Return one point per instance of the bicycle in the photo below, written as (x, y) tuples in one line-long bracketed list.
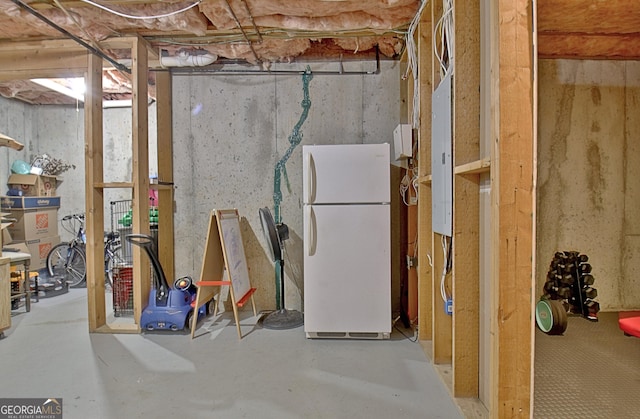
[(68, 259), (113, 256)]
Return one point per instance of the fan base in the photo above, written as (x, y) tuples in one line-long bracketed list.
[(283, 319)]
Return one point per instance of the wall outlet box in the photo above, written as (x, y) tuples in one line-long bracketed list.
[(412, 262), (403, 141), (448, 307)]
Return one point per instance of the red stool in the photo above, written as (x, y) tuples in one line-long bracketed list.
[(629, 322)]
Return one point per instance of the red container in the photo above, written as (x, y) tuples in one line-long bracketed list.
[(123, 291)]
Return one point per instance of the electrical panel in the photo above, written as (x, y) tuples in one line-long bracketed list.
[(441, 164)]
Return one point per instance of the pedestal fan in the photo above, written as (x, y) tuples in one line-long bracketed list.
[(275, 234)]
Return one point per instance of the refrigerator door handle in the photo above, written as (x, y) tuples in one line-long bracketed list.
[(311, 243), (311, 179)]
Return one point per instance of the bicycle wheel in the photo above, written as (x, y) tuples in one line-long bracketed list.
[(67, 262), (114, 258)]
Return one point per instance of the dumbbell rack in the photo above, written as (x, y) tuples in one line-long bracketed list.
[(570, 280)]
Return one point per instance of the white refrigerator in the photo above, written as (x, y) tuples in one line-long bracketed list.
[(347, 240)]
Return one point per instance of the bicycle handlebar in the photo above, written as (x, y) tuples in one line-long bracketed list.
[(73, 216)]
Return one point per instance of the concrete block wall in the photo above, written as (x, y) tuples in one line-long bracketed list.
[(59, 132), (228, 133), (588, 192), (16, 121)]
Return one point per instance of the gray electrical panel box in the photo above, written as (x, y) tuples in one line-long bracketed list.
[(441, 166)]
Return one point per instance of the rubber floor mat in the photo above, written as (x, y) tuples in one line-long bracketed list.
[(591, 371)]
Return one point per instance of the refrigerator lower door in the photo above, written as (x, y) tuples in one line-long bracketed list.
[(347, 271)]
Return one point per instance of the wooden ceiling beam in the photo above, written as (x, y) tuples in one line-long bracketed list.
[(589, 29), (27, 64), (57, 57), (588, 46), (50, 44), (589, 16)]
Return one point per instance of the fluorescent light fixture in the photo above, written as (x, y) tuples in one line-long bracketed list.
[(57, 87), (77, 92)]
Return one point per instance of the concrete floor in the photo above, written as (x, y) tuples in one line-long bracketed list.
[(268, 374)]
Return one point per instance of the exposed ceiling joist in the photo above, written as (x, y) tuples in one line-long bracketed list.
[(253, 31), (589, 29), (269, 31)]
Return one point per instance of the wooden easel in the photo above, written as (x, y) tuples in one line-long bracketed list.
[(224, 257)]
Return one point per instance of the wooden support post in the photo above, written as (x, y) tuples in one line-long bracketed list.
[(140, 176), (165, 172), (412, 252), (513, 201), (466, 200), (94, 212), (425, 271), (412, 218), (442, 322)]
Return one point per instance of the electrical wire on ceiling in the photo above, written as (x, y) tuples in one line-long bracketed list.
[(244, 34), (253, 22), (273, 33), (90, 48), (413, 63), (128, 16), (75, 22)]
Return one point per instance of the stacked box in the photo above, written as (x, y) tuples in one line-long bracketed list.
[(35, 225), (39, 249), (33, 185), (29, 202)]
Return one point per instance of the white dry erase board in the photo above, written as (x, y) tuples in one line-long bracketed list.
[(233, 250), (224, 256)]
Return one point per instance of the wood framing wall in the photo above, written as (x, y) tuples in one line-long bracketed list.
[(65, 58), (94, 168), (453, 342), (94, 171), (513, 205)]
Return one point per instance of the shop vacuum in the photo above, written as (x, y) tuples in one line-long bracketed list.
[(169, 308)]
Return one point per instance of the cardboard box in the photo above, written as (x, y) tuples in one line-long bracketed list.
[(32, 224), (39, 250), (4, 225), (22, 202), (33, 185)]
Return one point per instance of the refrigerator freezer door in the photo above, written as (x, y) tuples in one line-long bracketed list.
[(352, 173), (347, 269)]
